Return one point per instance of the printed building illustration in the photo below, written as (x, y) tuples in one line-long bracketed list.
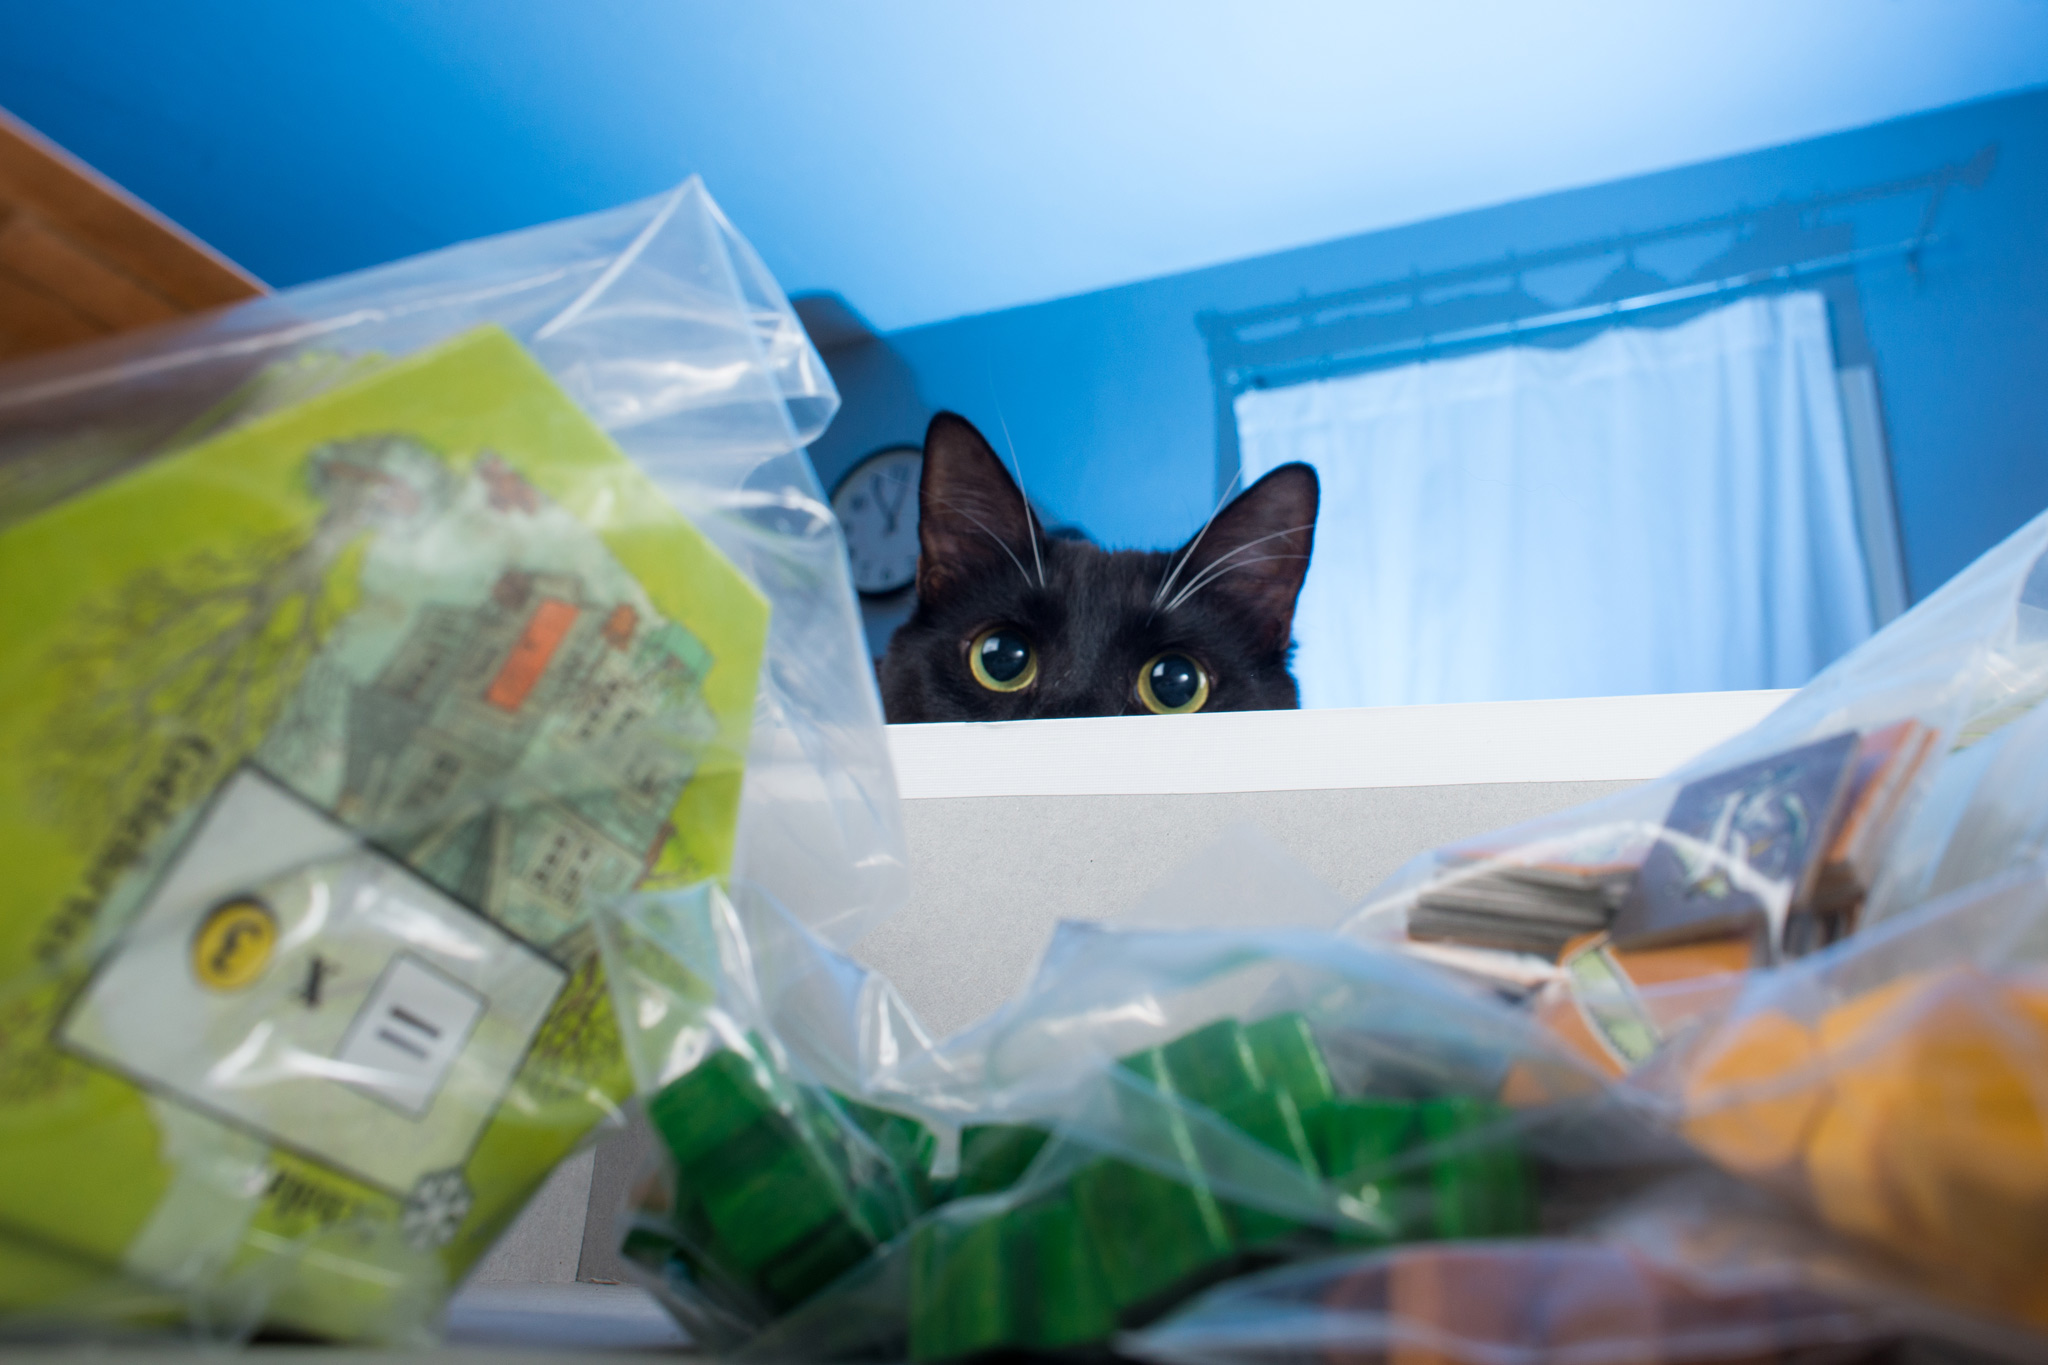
[(525, 753)]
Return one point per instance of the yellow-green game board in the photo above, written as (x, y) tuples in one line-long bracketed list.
[(318, 744)]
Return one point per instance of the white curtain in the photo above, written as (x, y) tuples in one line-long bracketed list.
[(1657, 510)]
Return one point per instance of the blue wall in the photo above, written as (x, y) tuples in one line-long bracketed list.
[(929, 158), (1109, 400)]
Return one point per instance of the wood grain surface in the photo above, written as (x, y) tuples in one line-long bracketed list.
[(81, 258)]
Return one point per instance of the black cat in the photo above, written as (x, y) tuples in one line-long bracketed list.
[(1012, 623)]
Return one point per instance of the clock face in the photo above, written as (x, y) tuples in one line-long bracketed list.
[(876, 504)]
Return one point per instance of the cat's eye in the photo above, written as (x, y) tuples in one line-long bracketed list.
[(1002, 660), (1173, 684)]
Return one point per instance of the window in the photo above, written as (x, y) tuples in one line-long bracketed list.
[(1665, 510)]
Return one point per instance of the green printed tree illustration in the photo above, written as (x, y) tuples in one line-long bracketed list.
[(211, 646)]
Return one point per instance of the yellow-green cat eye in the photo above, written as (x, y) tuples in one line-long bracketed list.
[(1173, 685), (1002, 660)]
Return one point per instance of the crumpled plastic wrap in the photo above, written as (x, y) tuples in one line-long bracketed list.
[(1155, 1112), (1896, 1088), (1747, 1064), (1545, 1301), (1908, 768), (363, 640)]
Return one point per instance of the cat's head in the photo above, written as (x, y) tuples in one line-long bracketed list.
[(1012, 623)]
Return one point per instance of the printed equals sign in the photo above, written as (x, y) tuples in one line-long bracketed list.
[(407, 1018)]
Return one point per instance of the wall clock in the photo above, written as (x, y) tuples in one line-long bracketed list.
[(876, 503)]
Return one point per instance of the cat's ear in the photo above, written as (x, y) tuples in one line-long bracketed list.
[(1255, 553), (971, 520)]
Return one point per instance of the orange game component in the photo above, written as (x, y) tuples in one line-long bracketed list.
[(529, 658), (1752, 1104), (1918, 1115), (1958, 1105)]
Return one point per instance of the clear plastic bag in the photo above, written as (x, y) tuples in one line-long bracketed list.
[(1160, 1111), (376, 632), (766, 1188), (1906, 768), (1896, 1088), (1157, 1110), (1699, 1267), (1539, 1302)]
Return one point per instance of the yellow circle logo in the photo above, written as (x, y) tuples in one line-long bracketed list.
[(234, 944)]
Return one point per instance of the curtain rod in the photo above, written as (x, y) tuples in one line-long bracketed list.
[(1241, 378), (1972, 173)]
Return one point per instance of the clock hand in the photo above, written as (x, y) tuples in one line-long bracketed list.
[(891, 511)]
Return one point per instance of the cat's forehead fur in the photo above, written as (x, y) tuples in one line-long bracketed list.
[(1096, 612), (1092, 626)]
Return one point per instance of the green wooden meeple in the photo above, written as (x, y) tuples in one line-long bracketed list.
[(1062, 1266), (1022, 1277), (1479, 1183), (778, 1195), (905, 1141), (1271, 1119), (1258, 1078), (1153, 1233), (961, 1287), (773, 1199), (1289, 1060), (1213, 1066), (994, 1156)]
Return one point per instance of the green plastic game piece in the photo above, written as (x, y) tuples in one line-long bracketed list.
[(907, 1141), (1287, 1056), (1150, 1064), (1213, 1066), (1064, 1295), (822, 1255), (1354, 1136), (1152, 1233), (1481, 1187), (815, 1262), (765, 1202), (1022, 1278), (959, 1292), (647, 1242), (696, 1252), (994, 1156), (903, 1140), (770, 1204), (1354, 1142), (709, 1105), (1270, 1119)]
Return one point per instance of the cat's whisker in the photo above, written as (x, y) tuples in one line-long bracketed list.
[(1222, 564), (1030, 515), (1212, 573), (982, 526), (1166, 584), (1017, 468), (1216, 574)]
